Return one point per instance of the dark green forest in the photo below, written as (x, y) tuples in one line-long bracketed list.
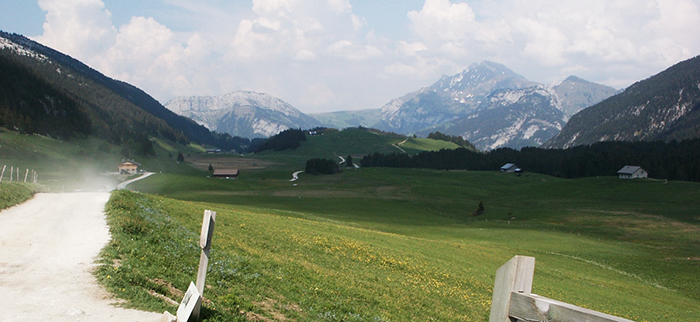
[(321, 166), (663, 160), (30, 105), (287, 139)]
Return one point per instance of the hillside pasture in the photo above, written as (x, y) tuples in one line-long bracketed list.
[(618, 246), (291, 265), (82, 163)]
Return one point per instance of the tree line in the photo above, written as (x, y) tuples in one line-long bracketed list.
[(287, 139), (663, 160), (456, 139)]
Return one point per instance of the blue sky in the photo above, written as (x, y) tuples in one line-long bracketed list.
[(329, 55)]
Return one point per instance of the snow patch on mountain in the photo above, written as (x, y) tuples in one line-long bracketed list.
[(268, 128), (21, 50)]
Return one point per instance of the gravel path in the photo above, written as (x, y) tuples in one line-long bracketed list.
[(48, 246), (126, 183)]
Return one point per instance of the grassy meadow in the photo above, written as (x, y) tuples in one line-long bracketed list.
[(381, 244), (628, 248), (399, 244)]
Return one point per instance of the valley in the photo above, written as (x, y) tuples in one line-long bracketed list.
[(618, 246), (396, 244)]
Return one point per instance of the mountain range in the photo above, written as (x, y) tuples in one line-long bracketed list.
[(45, 91), (487, 104), (244, 114), (508, 117), (477, 104)]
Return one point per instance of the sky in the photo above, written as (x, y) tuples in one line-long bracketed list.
[(331, 55)]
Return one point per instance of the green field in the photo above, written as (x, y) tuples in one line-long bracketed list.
[(380, 244), (624, 247)]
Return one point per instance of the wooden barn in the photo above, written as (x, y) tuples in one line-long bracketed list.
[(225, 173)]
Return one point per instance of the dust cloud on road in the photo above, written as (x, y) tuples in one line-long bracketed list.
[(48, 246)]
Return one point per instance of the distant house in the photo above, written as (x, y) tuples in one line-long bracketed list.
[(213, 151), (510, 168), (632, 172), (128, 167), (225, 173)]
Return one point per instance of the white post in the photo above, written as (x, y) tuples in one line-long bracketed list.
[(3, 172), (25, 175), (12, 172), (205, 243)]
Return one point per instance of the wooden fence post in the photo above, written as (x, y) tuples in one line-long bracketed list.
[(205, 243), (25, 176), (514, 276), (3, 172)]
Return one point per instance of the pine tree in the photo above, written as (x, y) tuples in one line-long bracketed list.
[(479, 210), (180, 157)]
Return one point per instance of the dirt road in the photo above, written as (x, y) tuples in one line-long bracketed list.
[(48, 246)]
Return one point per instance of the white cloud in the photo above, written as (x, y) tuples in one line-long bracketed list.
[(79, 27), (443, 20), (320, 54), (305, 55), (598, 37), (340, 6), (358, 22)]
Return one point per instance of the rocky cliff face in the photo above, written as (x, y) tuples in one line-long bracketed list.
[(510, 118)]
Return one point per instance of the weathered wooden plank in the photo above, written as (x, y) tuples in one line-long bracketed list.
[(208, 222), (532, 308), (190, 302), (514, 276)]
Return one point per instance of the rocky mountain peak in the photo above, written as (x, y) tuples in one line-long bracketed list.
[(242, 113)]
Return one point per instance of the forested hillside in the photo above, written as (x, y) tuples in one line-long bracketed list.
[(665, 107), (31, 105), (41, 97), (62, 88)]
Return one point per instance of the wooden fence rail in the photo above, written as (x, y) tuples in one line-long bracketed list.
[(513, 299)]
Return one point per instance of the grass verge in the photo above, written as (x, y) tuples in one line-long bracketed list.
[(270, 265), (13, 193)]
